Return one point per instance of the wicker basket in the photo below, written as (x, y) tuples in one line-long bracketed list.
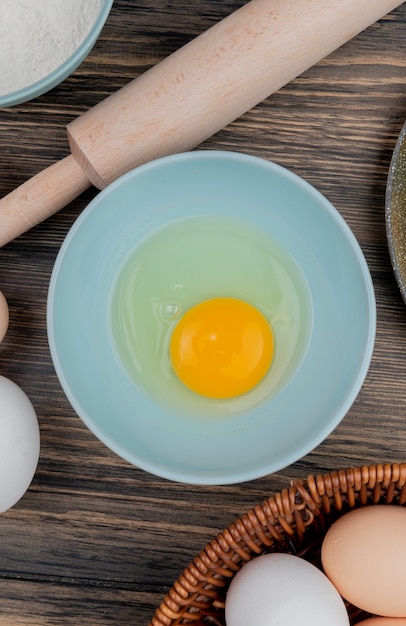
[(294, 521)]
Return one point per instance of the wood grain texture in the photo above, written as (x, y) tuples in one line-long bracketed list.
[(95, 539)]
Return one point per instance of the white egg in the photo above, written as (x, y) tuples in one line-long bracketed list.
[(19, 443), (282, 590), (4, 316)]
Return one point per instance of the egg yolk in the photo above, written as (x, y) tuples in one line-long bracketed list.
[(222, 348)]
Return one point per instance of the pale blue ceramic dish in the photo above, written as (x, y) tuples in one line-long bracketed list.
[(63, 71), (163, 428)]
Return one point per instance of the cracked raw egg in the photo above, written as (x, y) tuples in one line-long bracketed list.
[(209, 316)]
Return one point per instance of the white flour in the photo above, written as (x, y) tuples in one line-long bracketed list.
[(37, 36)]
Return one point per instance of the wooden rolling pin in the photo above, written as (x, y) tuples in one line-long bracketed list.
[(189, 96)]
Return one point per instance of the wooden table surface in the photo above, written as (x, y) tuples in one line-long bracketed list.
[(96, 540)]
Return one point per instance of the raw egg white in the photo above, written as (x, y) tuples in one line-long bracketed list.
[(283, 590), (166, 278), (364, 555), (4, 316), (19, 443)]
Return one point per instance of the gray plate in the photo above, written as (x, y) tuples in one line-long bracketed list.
[(395, 215)]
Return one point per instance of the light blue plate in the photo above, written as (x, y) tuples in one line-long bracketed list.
[(268, 432)]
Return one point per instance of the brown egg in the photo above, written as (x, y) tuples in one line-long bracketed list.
[(384, 621), (364, 555), (4, 316)]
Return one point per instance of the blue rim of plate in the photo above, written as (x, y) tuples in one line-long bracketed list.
[(294, 421)]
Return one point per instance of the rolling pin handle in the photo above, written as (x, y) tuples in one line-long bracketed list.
[(40, 197)]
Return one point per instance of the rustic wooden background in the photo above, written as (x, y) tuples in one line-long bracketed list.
[(95, 540)]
